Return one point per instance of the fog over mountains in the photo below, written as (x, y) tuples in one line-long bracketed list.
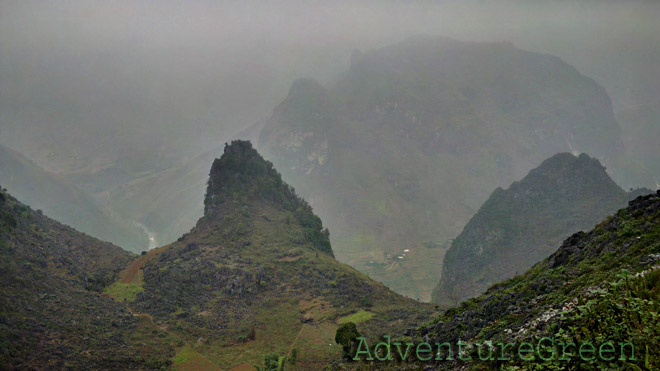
[(406, 145), (55, 196), (129, 102), (126, 87), (252, 185)]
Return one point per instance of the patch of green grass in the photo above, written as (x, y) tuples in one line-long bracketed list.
[(184, 355), (358, 317), (124, 291)]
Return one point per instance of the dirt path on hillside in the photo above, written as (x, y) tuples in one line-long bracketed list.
[(132, 273), (295, 341), (243, 367)]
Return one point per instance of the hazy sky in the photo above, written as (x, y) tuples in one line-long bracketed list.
[(100, 81)]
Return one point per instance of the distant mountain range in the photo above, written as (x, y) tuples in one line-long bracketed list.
[(520, 226), (396, 155), (166, 202), (401, 151), (399, 157)]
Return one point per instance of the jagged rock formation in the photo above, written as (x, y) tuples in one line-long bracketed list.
[(402, 150), (243, 175), (524, 224)]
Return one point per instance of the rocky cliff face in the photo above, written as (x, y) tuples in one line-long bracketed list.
[(402, 150), (520, 226)]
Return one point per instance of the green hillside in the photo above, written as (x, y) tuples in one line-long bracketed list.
[(599, 286), (52, 312)]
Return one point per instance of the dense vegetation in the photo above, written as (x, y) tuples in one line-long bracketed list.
[(524, 224), (599, 286), (241, 176), (346, 336), (52, 314)]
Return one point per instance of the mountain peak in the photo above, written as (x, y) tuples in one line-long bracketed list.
[(307, 105), (242, 172), (304, 86), (564, 160), (518, 227), (241, 180), (588, 287), (573, 176)]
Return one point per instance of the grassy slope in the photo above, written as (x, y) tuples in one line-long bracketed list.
[(601, 285), (296, 307), (52, 313)]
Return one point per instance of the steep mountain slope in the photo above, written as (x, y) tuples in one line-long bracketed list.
[(63, 201), (520, 226), (257, 276), (599, 286), (401, 151), (52, 314)]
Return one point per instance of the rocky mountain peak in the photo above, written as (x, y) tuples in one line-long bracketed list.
[(243, 184), (520, 226), (569, 175), (242, 174), (304, 86), (567, 162)]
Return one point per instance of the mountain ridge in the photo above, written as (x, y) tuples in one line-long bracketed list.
[(519, 226), (404, 147)]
